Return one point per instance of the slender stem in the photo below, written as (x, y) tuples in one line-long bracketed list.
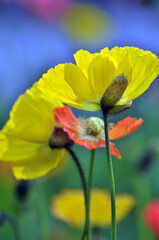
[(84, 185), (111, 178), (89, 236), (7, 218)]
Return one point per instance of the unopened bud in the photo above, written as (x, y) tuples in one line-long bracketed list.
[(113, 94), (59, 139)]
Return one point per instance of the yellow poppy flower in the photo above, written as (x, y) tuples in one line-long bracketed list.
[(24, 140), (69, 207), (111, 78)]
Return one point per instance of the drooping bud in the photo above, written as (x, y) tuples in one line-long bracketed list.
[(59, 139), (113, 94)]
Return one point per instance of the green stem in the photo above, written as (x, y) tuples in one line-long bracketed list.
[(111, 178), (89, 235), (7, 218), (84, 185)]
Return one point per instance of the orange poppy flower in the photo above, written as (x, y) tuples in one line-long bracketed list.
[(89, 132)]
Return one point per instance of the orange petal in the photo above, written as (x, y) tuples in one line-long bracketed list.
[(89, 144), (124, 127), (65, 117), (114, 151)]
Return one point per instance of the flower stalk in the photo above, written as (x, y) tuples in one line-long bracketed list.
[(111, 179), (89, 234), (84, 185)]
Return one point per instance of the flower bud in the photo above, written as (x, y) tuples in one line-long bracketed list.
[(59, 139), (113, 94)]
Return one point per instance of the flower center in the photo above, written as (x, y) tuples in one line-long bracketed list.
[(91, 128), (94, 126)]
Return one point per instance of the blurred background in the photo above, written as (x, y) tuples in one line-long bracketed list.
[(35, 35)]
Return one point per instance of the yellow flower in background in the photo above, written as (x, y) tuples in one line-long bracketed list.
[(109, 78), (24, 140), (69, 207), (86, 23)]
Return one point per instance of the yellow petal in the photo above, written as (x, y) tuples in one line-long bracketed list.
[(78, 82), (124, 204), (139, 66), (83, 58), (32, 116), (101, 72), (53, 83), (101, 212), (29, 159), (91, 105), (69, 207), (44, 161), (68, 84), (105, 52), (16, 149)]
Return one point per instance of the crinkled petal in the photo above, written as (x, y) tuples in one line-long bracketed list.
[(83, 85), (67, 83), (53, 82), (105, 52), (31, 117), (139, 66), (124, 127), (83, 58)]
